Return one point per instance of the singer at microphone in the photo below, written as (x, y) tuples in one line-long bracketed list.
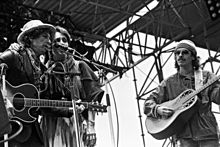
[(70, 79), (61, 46), (58, 45), (66, 48)]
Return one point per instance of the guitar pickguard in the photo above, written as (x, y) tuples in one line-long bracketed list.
[(17, 95)]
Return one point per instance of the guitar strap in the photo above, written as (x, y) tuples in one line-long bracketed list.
[(198, 78)]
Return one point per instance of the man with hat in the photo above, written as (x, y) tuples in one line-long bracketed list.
[(201, 129), (24, 66)]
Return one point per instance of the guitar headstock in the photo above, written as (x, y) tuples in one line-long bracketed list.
[(94, 106)]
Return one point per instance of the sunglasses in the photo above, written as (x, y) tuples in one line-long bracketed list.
[(183, 52), (64, 40)]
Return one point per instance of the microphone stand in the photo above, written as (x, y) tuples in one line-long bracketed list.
[(62, 48), (107, 94), (76, 123), (4, 93), (75, 114), (82, 57)]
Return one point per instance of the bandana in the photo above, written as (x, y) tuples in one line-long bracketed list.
[(189, 45)]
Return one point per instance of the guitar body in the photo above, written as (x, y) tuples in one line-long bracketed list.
[(184, 107), (17, 96), (25, 99)]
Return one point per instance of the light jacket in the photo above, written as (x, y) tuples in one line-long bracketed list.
[(202, 125)]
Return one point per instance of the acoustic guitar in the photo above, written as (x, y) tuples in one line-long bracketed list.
[(25, 98), (184, 106)]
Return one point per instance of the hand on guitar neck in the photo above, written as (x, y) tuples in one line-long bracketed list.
[(163, 111)]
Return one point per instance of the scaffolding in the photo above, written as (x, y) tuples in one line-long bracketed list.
[(142, 37)]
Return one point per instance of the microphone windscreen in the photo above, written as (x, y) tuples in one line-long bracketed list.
[(57, 45)]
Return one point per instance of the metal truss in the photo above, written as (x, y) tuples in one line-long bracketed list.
[(132, 45)]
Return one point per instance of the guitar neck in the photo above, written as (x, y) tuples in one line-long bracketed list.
[(29, 102), (48, 103), (210, 82)]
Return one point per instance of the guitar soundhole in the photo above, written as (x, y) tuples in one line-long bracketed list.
[(18, 101), (189, 103)]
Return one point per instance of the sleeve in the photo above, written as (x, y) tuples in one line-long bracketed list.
[(91, 84), (156, 97), (47, 94), (57, 112), (6, 57), (214, 89)]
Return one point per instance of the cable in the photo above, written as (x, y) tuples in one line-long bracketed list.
[(16, 133), (116, 111)]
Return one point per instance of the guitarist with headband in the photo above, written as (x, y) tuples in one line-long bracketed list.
[(181, 106)]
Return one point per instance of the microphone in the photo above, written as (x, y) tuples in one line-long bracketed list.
[(66, 48), (3, 68), (58, 45), (4, 65)]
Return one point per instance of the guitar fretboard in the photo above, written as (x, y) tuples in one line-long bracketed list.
[(210, 82), (46, 103), (30, 102)]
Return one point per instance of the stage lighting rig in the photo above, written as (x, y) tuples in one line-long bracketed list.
[(213, 8)]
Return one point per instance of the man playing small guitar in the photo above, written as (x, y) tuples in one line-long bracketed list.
[(181, 105), (24, 67)]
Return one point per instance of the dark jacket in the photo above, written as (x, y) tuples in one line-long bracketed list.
[(78, 81), (203, 124), (20, 71), (84, 85)]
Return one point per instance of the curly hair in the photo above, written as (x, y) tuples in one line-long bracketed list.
[(33, 35)]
